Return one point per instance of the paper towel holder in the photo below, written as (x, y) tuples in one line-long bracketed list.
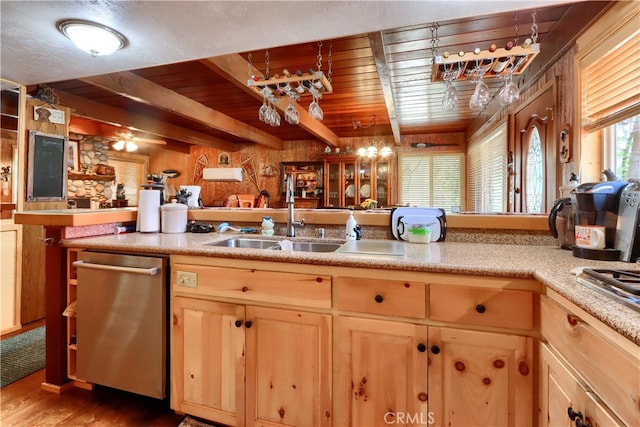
[(222, 174)]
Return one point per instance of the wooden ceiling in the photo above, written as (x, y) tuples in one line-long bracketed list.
[(385, 74)]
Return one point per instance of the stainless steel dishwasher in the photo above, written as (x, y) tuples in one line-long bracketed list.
[(122, 323)]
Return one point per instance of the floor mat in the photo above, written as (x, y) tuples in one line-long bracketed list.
[(22, 355)]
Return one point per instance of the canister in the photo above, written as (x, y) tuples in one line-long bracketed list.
[(174, 217)]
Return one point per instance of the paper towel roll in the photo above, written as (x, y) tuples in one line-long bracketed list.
[(149, 211)]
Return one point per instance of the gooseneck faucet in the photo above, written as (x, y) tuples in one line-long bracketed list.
[(291, 222)]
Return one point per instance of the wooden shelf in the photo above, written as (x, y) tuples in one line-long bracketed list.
[(85, 176)]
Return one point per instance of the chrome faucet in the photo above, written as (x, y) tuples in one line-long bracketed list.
[(291, 222)]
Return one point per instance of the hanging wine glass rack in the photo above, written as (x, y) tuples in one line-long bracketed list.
[(312, 83), (487, 63)]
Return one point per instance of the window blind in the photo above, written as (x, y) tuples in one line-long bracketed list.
[(611, 78), (132, 173), (486, 173), (434, 180)]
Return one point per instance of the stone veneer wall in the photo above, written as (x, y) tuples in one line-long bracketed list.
[(92, 151)]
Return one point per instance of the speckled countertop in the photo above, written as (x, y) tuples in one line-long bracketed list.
[(550, 265)]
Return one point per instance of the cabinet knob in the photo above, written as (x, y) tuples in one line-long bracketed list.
[(379, 298), (238, 323), (435, 349), (422, 348), (480, 308), (573, 414), (248, 324)]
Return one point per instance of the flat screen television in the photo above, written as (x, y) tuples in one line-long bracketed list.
[(47, 167)]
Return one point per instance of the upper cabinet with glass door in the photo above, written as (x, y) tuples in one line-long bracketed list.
[(351, 180), (11, 97)]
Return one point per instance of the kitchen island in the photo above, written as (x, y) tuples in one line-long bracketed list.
[(429, 294)]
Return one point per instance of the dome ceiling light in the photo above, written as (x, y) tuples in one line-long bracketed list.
[(93, 38)]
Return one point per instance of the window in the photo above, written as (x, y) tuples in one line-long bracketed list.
[(622, 148), (131, 170), (486, 173), (608, 60), (434, 180)]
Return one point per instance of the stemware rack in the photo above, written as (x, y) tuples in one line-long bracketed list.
[(281, 85), (470, 64)]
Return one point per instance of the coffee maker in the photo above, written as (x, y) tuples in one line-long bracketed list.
[(614, 206), (628, 231)]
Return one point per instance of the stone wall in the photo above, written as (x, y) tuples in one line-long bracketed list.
[(92, 151)]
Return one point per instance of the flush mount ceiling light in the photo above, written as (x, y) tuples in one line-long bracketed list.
[(93, 38)]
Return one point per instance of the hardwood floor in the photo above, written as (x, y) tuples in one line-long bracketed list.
[(24, 404)]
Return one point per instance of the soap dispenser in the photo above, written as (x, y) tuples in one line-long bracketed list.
[(352, 228)]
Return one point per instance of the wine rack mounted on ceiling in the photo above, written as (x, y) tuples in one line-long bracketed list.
[(467, 65), (298, 84)]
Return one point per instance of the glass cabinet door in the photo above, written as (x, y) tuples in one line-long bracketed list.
[(332, 192), (364, 173), (382, 183), (350, 182)]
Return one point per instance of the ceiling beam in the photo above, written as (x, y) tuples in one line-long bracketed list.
[(83, 107), (234, 68), (134, 87), (380, 58)]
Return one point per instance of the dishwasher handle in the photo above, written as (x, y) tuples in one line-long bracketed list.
[(147, 271)]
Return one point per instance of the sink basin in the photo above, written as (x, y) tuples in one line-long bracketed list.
[(315, 246), (245, 243), (240, 242)]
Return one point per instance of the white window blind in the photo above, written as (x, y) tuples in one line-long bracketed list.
[(434, 180), (486, 173), (132, 172), (610, 76)]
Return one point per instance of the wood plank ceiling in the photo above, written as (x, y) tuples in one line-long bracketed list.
[(385, 74)]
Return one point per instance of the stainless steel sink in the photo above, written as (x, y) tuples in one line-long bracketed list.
[(242, 242), (315, 246), (245, 243)]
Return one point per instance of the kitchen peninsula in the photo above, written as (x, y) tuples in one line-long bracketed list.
[(431, 295)]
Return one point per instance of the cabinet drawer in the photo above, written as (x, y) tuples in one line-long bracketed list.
[(609, 371), (481, 306), (385, 297), (305, 290)]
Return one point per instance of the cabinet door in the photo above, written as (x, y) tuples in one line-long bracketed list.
[(333, 194), (366, 182), (382, 373), (288, 368), (480, 378), (382, 183), (207, 370), (561, 394)]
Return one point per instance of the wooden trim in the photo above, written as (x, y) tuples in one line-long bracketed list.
[(129, 85), (379, 56), (55, 388), (83, 107)]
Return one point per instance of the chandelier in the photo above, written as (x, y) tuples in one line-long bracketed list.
[(375, 148), (292, 85), (125, 141)]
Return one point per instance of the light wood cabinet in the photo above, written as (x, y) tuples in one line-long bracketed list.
[(480, 378), (307, 182), (565, 400), (208, 359), (608, 371), (350, 180), (243, 364), (288, 373), (381, 373)]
